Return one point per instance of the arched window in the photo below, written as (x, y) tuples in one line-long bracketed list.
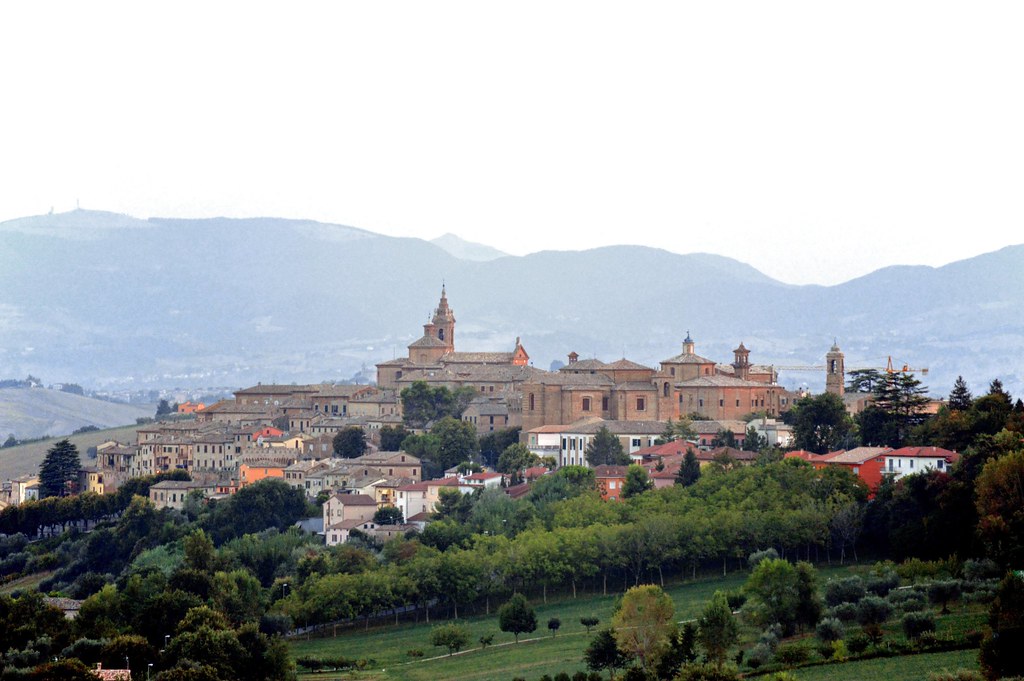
[(440, 334), (665, 390)]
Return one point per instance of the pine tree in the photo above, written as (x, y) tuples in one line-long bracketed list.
[(605, 448), (960, 399), (58, 474), (689, 470)]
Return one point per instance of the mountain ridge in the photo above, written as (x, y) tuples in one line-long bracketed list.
[(233, 301)]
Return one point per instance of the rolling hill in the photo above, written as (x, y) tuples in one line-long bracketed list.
[(105, 300)]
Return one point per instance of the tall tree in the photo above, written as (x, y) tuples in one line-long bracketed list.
[(689, 469), (820, 423), (58, 473), (605, 449), (603, 653), (863, 380), (350, 442), (391, 438), (514, 460), (1000, 502), (901, 398), (456, 442), (717, 630), (644, 624), (960, 398)]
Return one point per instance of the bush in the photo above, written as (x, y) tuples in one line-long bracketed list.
[(907, 600), (829, 629), (792, 654), (735, 599), (917, 623), (847, 590), (754, 559), (984, 569), (857, 643), (844, 612), (759, 656), (882, 584), (414, 653), (706, 672), (562, 676), (770, 637), (839, 651)]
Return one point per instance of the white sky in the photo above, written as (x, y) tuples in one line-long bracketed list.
[(817, 141)]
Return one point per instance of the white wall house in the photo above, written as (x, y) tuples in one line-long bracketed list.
[(910, 460)]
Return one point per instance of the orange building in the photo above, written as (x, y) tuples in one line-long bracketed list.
[(255, 471)]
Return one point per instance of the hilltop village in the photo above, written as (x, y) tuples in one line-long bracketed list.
[(290, 431)]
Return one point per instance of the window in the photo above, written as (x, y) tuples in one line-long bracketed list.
[(672, 371), (940, 463), (641, 404), (665, 390), (604, 404), (737, 403), (701, 401), (636, 442), (721, 403), (531, 401), (911, 463), (586, 404)]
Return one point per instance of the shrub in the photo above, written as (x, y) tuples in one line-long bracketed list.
[(844, 612), (589, 622), (754, 559), (917, 623), (857, 643), (881, 585), (562, 676), (735, 599), (706, 672), (486, 640), (974, 637), (414, 653), (759, 656), (978, 570), (829, 629), (907, 600), (792, 654), (579, 676), (847, 590), (839, 651)]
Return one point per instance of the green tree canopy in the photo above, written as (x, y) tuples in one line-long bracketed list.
[(516, 616), (391, 438), (717, 630), (644, 624), (605, 449), (689, 469), (820, 423), (350, 442), (514, 460), (960, 398), (58, 473), (637, 481)]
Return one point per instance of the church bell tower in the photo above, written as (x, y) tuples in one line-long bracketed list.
[(835, 371), (444, 322)]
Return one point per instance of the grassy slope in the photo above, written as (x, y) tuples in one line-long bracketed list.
[(536, 654), (29, 413), (25, 459), (906, 668)]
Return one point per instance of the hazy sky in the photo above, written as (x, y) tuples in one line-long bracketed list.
[(817, 141)]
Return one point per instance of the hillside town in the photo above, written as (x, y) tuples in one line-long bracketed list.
[(289, 431)]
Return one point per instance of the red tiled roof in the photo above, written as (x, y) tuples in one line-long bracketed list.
[(926, 453)]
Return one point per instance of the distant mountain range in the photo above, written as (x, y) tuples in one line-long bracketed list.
[(108, 300)]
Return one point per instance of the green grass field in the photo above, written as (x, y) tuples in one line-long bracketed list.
[(906, 668), (535, 655), (25, 459)]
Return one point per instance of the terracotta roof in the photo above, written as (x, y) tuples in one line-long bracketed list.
[(477, 357), (857, 455), (592, 425), (277, 388), (926, 453), (422, 516), (592, 364), (608, 471), (350, 524), (731, 452), (627, 365), (517, 491), (687, 359), (636, 385), (720, 382), (711, 426)]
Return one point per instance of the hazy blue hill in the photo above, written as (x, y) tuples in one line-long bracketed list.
[(466, 250), (96, 297)]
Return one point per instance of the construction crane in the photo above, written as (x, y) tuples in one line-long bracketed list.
[(889, 368)]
